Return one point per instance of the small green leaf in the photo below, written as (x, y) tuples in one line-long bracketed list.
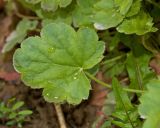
[(17, 105), (124, 5), (135, 8), (49, 5), (52, 5), (33, 1), (139, 24), (56, 61), (12, 115), (104, 4), (83, 13), (138, 70), (149, 107), (64, 3), (11, 123), (126, 115), (121, 97), (19, 34), (25, 112), (107, 19)]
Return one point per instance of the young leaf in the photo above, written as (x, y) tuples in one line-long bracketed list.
[(52, 5), (17, 105), (124, 108), (103, 4), (124, 5), (108, 19), (49, 5), (56, 61), (139, 24), (83, 12), (149, 107), (135, 8), (19, 34), (12, 115), (25, 112), (33, 1), (121, 97), (138, 70)]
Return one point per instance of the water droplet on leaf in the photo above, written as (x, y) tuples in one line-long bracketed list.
[(99, 26), (51, 50)]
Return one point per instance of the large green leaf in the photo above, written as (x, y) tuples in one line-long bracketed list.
[(56, 61), (149, 107), (139, 24)]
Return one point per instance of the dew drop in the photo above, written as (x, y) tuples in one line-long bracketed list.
[(81, 69), (143, 117), (51, 50), (99, 26), (74, 78)]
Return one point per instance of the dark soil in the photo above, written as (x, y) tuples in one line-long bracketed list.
[(44, 115)]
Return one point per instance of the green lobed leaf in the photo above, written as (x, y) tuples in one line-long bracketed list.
[(56, 61), (149, 107), (139, 24)]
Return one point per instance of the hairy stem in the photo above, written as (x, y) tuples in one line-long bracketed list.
[(109, 86)]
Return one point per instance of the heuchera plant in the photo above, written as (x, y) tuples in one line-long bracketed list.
[(60, 60), (57, 60)]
